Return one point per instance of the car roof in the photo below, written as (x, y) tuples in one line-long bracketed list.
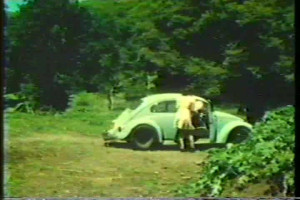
[(161, 96), (166, 96)]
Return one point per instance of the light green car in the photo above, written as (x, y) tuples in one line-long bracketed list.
[(152, 123)]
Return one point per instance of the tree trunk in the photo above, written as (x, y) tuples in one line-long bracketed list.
[(110, 98)]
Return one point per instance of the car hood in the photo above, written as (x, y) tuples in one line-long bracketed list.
[(227, 116)]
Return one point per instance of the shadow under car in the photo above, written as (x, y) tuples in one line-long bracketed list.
[(167, 146)]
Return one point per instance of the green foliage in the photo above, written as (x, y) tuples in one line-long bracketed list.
[(44, 42), (91, 109), (27, 100), (87, 102), (230, 35), (212, 48), (203, 75), (268, 156)]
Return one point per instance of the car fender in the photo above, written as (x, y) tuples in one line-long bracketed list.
[(225, 131), (144, 121)]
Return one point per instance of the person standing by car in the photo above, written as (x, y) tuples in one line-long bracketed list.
[(183, 121), (197, 115)]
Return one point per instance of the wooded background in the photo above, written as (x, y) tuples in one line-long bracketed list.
[(236, 51)]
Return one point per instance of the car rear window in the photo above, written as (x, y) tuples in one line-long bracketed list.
[(134, 104), (164, 107)]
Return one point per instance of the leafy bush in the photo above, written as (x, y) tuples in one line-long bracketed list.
[(26, 100), (87, 102), (268, 156), (92, 109)]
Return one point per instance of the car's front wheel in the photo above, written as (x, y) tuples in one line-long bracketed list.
[(239, 135), (144, 137)]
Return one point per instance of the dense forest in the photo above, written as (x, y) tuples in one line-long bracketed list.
[(237, 51)]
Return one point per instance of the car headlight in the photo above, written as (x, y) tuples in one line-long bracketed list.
[(117, 127)]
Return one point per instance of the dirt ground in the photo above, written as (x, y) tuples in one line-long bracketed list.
[(80, 166)]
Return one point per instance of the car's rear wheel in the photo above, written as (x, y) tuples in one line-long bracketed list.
[(239, 135), (144, 137)]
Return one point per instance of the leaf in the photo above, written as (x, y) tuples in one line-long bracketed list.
[(12, 97)]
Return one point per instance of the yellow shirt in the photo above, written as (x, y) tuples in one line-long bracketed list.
[(183, 119)]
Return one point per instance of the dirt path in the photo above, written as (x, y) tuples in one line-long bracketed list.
[(78, 166)]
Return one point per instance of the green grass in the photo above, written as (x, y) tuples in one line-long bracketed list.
[(93, 124), (88, 115), (76, 165)]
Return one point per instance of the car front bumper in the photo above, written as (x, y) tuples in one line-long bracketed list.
[(106, 136), (109, 136)]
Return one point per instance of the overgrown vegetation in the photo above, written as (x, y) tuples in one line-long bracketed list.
[(268, 157)]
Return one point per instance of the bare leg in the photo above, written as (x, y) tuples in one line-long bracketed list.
[(192, 142), (181, 143), (181, 139)]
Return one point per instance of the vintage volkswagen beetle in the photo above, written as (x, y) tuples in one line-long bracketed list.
[(152, 123)]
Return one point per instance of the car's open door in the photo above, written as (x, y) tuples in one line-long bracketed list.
[(211, 122)]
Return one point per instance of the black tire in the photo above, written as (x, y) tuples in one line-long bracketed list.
[(239, 135), (144, 137)]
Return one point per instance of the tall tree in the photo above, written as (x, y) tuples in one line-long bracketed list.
[(45, 40)]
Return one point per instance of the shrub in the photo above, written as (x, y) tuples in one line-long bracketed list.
[(87, 102), (91, 109), (268, 156), (26, 100)]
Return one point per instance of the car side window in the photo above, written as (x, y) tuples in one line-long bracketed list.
[(164, 107), (171, 106)]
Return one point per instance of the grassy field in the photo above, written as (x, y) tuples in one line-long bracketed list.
[(80, 166), (62, 155)]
